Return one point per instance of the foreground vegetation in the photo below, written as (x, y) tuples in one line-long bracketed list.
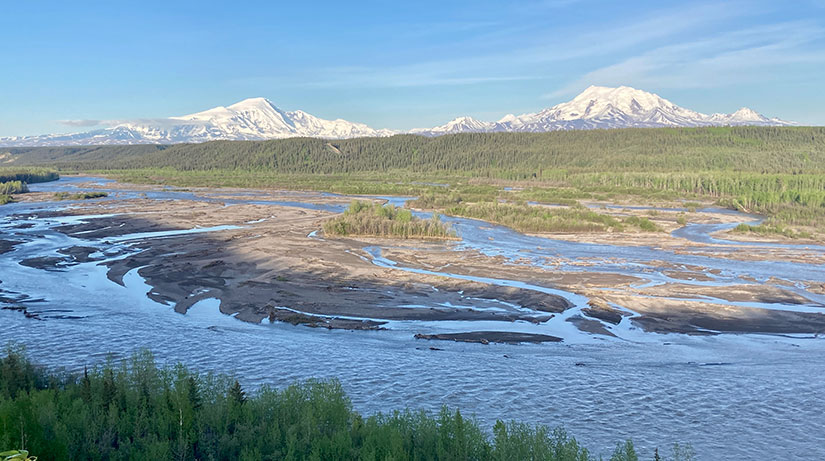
[(364, 219), (775, 171), (137, 410)]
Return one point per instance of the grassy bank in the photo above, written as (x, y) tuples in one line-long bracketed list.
[(770, 230), (363, 219), (137, 410), (527, 218)]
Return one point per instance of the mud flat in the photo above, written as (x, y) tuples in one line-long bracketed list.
[(261, 255), (266, 263)]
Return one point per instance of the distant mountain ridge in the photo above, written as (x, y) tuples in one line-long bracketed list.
[(250, 119), (604, 108), (259, 119)]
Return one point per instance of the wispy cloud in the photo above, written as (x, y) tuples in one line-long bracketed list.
[(83, 123), (530, 54), (657, 27), (168, 121), (737, 57)]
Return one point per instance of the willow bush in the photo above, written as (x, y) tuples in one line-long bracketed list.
[(374, 220)]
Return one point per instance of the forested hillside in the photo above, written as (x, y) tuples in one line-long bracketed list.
[(507, 155)]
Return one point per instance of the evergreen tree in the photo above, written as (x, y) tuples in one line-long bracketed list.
[(109, 389), (86, 386), (193, 392), (236, 393)]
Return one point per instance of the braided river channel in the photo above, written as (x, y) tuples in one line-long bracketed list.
[(731, 396)]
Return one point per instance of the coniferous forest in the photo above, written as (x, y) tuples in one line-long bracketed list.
[(777, 150)]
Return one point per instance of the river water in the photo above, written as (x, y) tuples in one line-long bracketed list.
[(730, 396)]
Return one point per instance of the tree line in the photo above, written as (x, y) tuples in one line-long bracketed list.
[(138, 410), (789, 150)]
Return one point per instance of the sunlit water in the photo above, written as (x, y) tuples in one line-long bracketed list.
[(731, 396)]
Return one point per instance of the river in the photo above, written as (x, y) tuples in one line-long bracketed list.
[(730, 396)]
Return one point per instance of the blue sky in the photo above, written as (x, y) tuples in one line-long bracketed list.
[(66, 65)]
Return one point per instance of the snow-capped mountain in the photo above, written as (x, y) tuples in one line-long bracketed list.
[(458, 125), (258, 118), (602, 107), (746, 116), (250, 119)]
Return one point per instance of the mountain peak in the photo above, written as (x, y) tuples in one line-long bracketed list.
[(254, 103), (597, 100), (464, 120), (601, 107), (747, 112), (464, 124), (597, 107)]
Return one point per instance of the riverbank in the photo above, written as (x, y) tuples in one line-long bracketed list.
[(259, 253)]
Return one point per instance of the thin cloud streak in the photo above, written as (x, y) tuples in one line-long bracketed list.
[(738, 57), (529, 62), (80, 123)]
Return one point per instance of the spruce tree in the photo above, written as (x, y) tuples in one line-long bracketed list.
[(236, 393), (194, 393)]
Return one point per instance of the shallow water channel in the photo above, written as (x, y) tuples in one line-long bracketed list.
[(730, 396)]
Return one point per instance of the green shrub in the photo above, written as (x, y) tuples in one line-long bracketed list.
[(137, 410), (642, 223), (374, 220), (79, 195), (13, 187)]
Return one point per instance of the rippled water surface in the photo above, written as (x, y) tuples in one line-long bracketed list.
[(731, 396)]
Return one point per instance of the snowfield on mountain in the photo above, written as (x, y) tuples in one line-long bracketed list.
[(259, 119)]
